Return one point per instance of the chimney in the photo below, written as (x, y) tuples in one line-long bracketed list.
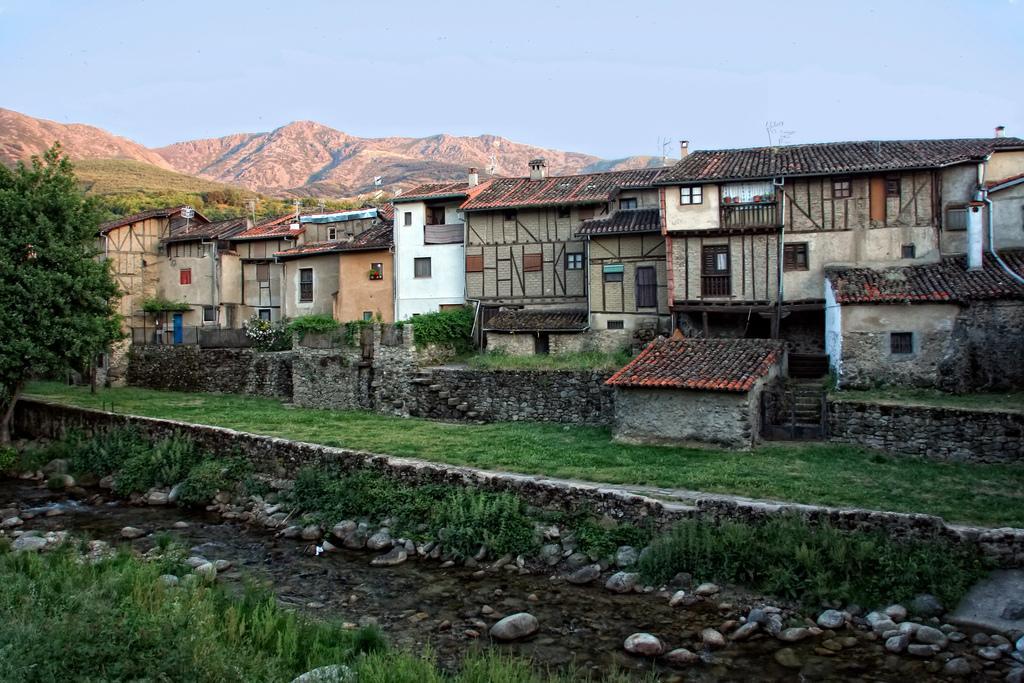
[(974, 238), (473, 178), (684, 148), (999, 131), (538, 169)]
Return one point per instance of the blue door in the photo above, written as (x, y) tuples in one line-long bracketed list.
[(179, 332)]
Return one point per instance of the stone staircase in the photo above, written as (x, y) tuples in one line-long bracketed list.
[(440, 401)]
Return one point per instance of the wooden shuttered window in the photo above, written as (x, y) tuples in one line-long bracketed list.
[(794, 256), (532, 263), (474, 263), (305, 284), (715, 274), (185, 276), (263, 272), (646, 287)]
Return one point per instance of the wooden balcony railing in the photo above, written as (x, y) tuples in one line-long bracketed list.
[(760, 214), (715, 285)]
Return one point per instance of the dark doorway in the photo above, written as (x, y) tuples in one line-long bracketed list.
[(542, 344)]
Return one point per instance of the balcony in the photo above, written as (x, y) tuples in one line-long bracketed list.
[(750, 215), (716, 285), (445, 233)]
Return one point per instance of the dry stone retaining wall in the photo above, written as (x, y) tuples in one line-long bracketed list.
[(281, 458), (228, 371), (939, 433)]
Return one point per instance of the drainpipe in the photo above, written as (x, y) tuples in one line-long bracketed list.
[(983, 194), (780, 290)]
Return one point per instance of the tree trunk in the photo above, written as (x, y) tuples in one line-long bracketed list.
[(5, 419)]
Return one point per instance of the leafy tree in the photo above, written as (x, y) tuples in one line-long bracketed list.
[(57, 300)]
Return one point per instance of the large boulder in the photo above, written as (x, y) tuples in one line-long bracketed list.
[(643, 644), (332, 673), (515, 627)]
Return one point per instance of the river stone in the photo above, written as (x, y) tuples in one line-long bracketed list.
[(788, 658), (379, 541), (222, 565), (926, 605), (577, 560), (293, 531), (678, 598), (395, 556), (332, 673), (831, 618), (28, 544), (206, 571), (156, 497), (174, 494), (712, 638), (107, 482), (793, 635), (12, 522), (896, 612), (56, 466), (884, 626), (622, 582), (706, 589), (745, 631), (626, 556), (921, 650), (931, 636), (897, 644), (584, 575), (958, 666), (343, 528), (311, 533), (1014, 610), (169, 580), (643, 644), (992, 654), (551, 554), (681, 657), (64, 481), (1015, 676), (757, 615), (181, 524), (356, 540), (195, 560), (132, 532), (515, 627)]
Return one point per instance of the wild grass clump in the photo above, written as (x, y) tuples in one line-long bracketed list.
[(460, 517), (812, 564), (602, 540), (208, 477), (105, 453), (8, 458), (164, 463), (114, 621), (580, 360)]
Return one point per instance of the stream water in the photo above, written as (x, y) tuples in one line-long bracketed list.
[(417, 604)]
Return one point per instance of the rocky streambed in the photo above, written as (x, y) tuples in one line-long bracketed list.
[(683, 632)]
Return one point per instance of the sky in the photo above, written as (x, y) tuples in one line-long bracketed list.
[(609, 78)]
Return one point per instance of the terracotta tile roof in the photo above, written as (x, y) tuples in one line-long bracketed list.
[(278, 226), (166, 212), (538, 321), (996, 185), (510, 193), (623, 221), (945, 281), (208, 231), (709, 364), (386, 211), (379, 236), (434, 191), (831, 158)]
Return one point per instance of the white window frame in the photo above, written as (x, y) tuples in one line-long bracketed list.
[(691, 194)]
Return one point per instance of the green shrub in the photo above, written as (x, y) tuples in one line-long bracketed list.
[(318, 323), (267, 335), (790, 558), (208, 477), (158, 304), (445, 328), (103, 453), (602, 541), (8, 458), (164, 463), (466, 518)]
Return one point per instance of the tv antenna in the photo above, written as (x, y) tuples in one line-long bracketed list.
[(298, 208), (492, 166), (664, 143), (187, 212), (321, 205), (777, 136), (378, 180), (250, 204)]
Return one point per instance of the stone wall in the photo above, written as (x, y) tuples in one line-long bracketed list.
[(678, 416), (229, 371), (939, 433), (573, 397), (280, 458)]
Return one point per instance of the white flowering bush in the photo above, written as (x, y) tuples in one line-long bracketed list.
[(267, 335)]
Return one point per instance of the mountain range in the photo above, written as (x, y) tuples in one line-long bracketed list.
[(305, 158)]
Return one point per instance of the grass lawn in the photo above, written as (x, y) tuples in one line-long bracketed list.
[(1010, 400), (583, 360), (822, 473)]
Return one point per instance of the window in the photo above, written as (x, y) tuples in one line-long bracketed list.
[(407, 218), (616, 325), (646, 287), (574, 260), (264, 314), (510, 216), (613, 273), (376, 271), (842, 188), (367, 316), (956, 218), (209, 314), (332, 234), (185, 276), (901, 342), (474, 263), (421, 267), (564, 212), (305, 284), (908, 251), (892, 186), (532, 263), (693, 194), (794, 256), (435, 215), (715, 276), (99, 361), (627, 203), (262, 272)]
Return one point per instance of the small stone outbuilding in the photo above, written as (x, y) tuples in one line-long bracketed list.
[(707, 391), (523, 332)]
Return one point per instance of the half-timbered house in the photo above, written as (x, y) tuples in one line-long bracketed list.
[(749, 231), (524, 253)]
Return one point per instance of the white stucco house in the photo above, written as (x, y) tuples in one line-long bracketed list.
[(430, 254)]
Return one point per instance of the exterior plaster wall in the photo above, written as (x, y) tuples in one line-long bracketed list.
[(446, 284), (359, 294), (325, 285)]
